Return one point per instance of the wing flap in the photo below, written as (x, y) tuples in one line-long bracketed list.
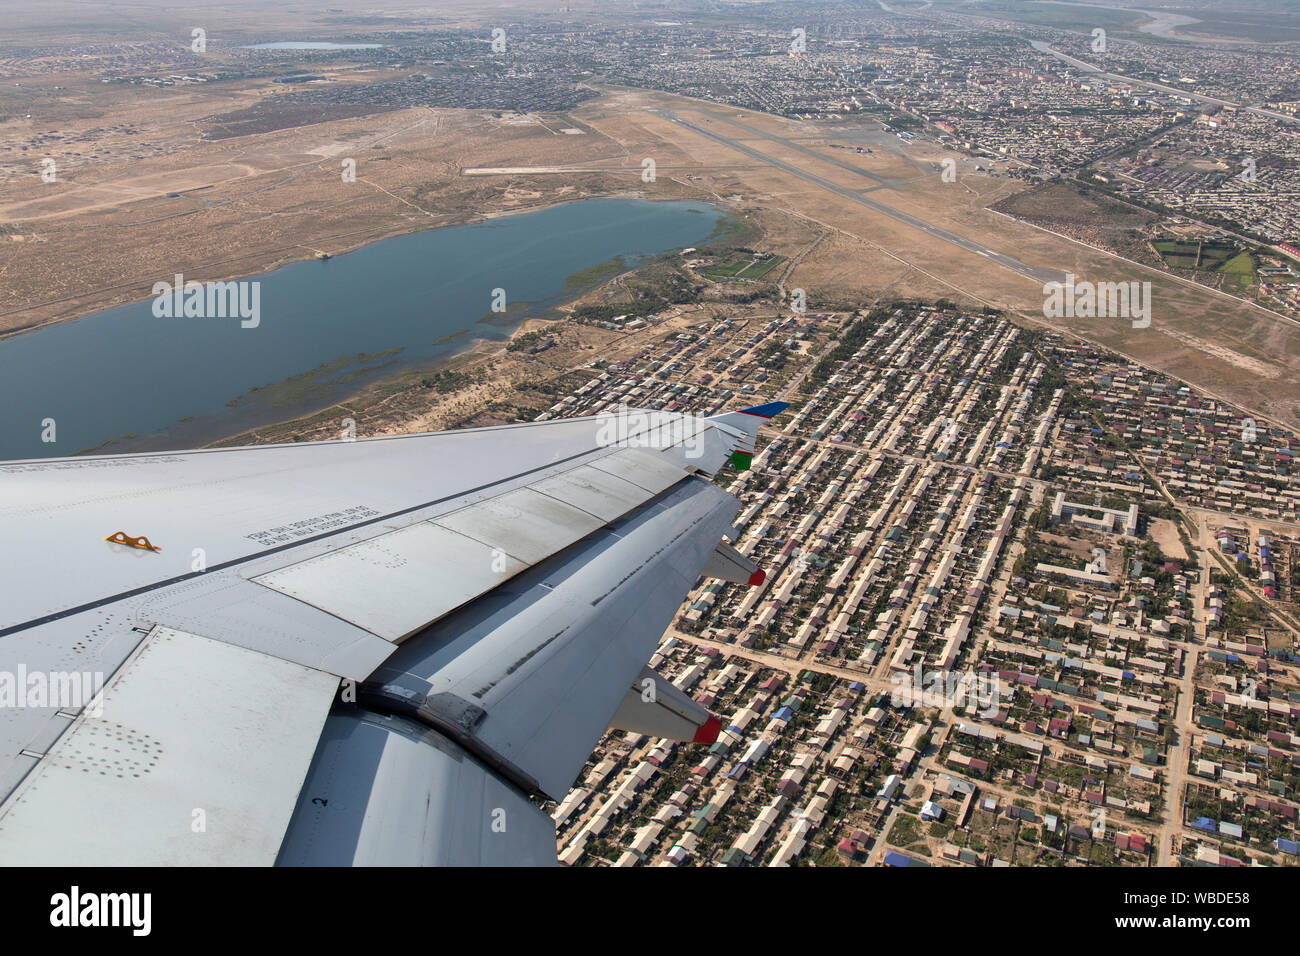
[(147, 776), (397, 583), (529, 678), (597, 492), (643, 469), (525, 524)]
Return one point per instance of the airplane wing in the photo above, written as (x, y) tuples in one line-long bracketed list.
[(382, 651)]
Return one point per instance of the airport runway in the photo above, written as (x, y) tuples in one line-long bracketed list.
[(1037, 273), (847, 167)]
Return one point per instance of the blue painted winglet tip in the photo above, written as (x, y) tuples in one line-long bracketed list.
[(770, 410)]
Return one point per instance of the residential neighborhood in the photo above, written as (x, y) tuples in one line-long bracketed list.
[(1014, 613)]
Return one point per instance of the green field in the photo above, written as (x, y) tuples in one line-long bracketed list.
[(1210, 256), (1242, 266), (742, 265)]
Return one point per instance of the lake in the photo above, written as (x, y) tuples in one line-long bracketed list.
[(125, 379)]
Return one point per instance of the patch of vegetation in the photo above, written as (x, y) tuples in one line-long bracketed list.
[(298, 388), (653, 288), (742, 264), (449, 380), (587, 278), (904, 831), (527, 340)]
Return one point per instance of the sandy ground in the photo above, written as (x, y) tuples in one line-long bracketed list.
[(292, 204), (1165, 534)]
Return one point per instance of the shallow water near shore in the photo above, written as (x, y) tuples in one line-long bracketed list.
[(125, 379)]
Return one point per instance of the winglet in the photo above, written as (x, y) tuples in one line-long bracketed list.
[(747, 421), (769, 410), (743, 428)]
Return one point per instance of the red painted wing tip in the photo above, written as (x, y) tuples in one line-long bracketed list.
[(757, 578), (708, 732)]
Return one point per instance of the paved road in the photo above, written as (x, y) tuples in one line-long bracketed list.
[(1036, 273), (1176, 762)]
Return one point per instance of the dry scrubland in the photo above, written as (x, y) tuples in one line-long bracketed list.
[(107, 230), (243, 204)]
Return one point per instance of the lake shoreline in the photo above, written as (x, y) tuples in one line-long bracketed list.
[(333, 332), (262, 263)]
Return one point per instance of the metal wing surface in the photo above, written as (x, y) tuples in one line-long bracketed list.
[(384, 651)]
